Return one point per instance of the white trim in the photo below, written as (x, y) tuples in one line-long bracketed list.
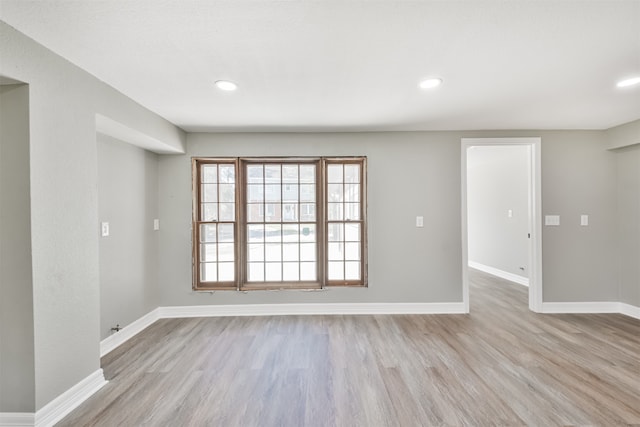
[(516, 278), (135, 327), (630, 310), (535, 214), (17, 419), (589, 307), (310, 309), (59, 407)]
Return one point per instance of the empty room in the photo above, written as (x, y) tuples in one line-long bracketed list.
[(319, 213)]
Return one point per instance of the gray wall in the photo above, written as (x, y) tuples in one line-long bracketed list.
[(63, 102), (410, 173), (17, 383), (629, 223), (624, 135), (498, 181), (128, 200)]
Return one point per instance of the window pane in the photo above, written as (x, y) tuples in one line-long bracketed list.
[(307, 192), (225, 272), (335, 211), (290, 192), (225, 233), (352, 192), (290, 233), (256, 271), (227, 212), (272, 192), (336, 270), (273, 232), (335, 232), (209, 271), (273, 252), (336, 251), (352, 271), (307, 251), (208, 252), (208, 233), (255, 193), (352, 232), (290, 212), (273, 272), (335, 193), (227, 192), (209, 212), (272, 212), (307, 173), (351, 173), (352, 251), (352, 211), (255, 233), (307, 212), (334, 174), (290, 173), (210, 173), (226, 252), (272, 174), (290, 252), (290, 271), (227, 173), (308, 271), (209, 192), (307, 232), (255, 212), (255, 252), (254, 174)]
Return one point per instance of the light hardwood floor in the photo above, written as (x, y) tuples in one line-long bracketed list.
[(500, 365)]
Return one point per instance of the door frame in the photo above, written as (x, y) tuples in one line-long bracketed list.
[(535, 214)]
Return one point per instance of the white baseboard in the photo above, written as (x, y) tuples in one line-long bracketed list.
[(17, 419), (118, 338), (594, 307), (59, 407), (521, 280), (310, 309), (630, 310)]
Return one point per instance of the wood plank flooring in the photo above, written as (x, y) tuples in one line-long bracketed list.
[(499, 365)]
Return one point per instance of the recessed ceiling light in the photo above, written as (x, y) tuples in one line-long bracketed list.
[(628, 82), (430, 83), (226, 85)]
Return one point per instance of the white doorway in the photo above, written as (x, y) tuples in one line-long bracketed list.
[(533, 220)]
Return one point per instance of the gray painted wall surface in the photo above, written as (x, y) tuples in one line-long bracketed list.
[(128, 200), (498, 181), (629, 223), (579, 177), (410, 173), (64, 204), (624, 135), (17, 373)]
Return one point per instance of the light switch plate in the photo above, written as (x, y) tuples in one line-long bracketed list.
[(552, 220), (104, 229), (156, 224), (584, 220), (419, 221)]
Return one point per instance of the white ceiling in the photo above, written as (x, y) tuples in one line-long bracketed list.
[(340, 65)]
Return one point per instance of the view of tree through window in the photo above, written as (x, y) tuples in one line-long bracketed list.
[(277, 223)]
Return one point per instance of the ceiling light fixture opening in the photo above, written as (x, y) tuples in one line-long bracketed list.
[(628, 82), (430, 83), (226, 85)]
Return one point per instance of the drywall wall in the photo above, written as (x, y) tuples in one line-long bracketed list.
[(409, 174), (579, 177), (17, 383), (628, 192), (128, 201), (63, 103), (498, 183), (624, 135)]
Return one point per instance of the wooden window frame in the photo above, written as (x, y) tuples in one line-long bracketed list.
[(241, 224)]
